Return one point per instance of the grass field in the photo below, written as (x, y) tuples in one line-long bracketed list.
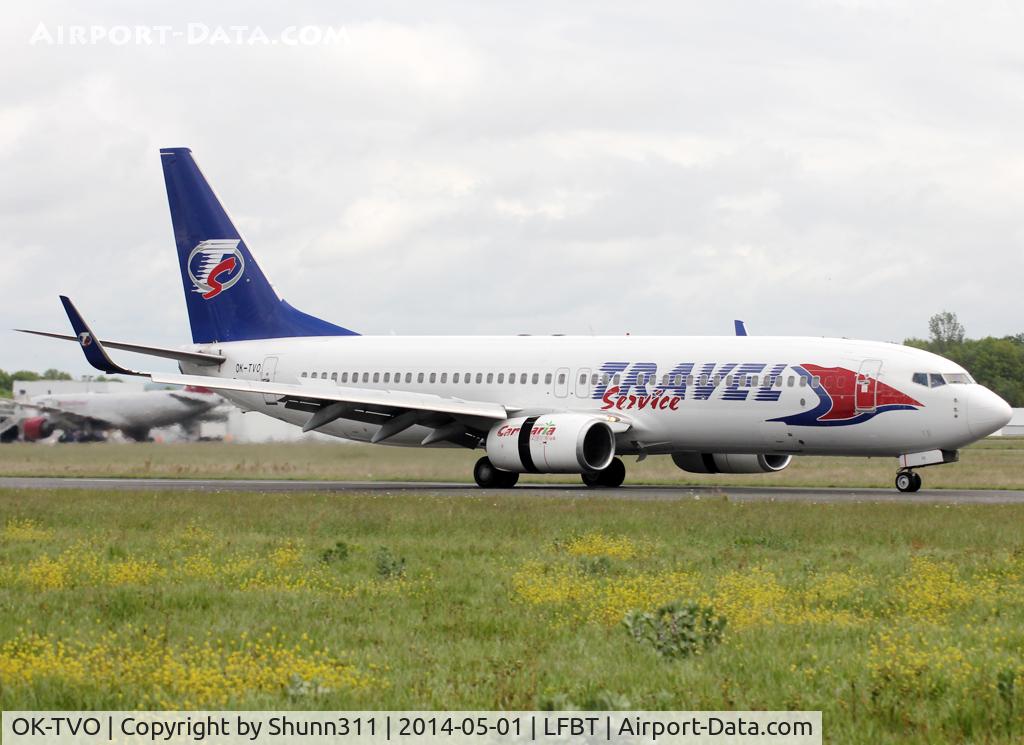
[(902, 622), (992, 464)]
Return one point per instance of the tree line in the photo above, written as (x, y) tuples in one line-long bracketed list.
[(995, 362), (7, 379)]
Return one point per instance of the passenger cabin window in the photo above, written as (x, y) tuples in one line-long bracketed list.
[(344, 377), (803, 382), (334, 377), (455, 378), (561, 378), (444, 377), (816, 382), (583, 379), (522, 378), (490, 378), (304, 375), (419, 378), (387, 377), (547, 379), (376, 377), (433, 377), (501, 378), (536, 378), (479, 378)]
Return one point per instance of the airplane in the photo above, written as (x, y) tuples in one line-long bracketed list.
[(8, 421), (84, 416), (548, 404)]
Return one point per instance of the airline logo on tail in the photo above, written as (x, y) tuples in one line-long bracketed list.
[(215, 266)]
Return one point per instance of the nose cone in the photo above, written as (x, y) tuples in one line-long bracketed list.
[(986, 412)]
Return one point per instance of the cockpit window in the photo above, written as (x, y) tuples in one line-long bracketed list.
[(958, 378), (934, 380)]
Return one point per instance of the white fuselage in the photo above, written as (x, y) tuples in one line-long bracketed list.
[(710, 394), (132, 410)]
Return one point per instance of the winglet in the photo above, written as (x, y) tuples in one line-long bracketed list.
[(90, 343), (741, 329)]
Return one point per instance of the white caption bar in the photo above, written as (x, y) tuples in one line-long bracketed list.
[(379, 728)]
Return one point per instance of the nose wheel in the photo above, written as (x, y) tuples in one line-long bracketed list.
[(908, 481)]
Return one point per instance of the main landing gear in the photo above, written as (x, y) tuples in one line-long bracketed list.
[(610, 477), (489, 477), (908, 481)]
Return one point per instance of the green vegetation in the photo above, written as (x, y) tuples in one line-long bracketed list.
[(7, 379), (997, 463), (997, 363), (904, 623)]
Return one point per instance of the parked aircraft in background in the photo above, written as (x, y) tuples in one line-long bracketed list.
[(8, 421), (88, 416), (562, 404)]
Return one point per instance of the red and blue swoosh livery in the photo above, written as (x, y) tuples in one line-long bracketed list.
[(838, 398)]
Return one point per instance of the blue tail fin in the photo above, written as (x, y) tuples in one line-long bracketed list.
[(228, 296)]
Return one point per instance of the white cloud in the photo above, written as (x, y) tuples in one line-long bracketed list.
[(838, 168)]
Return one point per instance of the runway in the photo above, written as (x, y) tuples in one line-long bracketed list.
[(639, 493)]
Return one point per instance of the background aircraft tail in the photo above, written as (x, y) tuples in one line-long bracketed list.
[(228, 296)]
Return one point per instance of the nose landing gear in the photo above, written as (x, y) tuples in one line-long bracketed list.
[(908, 481)]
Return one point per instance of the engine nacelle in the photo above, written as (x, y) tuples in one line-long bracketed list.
[(559, 443), (729, 463), (36, 428)]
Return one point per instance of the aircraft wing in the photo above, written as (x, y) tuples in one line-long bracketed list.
[(62, 418), (96, 354), (188, 400), (452, 419)]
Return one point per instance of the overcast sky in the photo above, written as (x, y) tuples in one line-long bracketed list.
[(819, 168)]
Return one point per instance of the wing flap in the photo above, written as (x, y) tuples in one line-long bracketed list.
[(389, 400)]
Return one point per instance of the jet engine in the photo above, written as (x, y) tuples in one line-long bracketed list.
[(36, 428), (559, 443), (729, 463)]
